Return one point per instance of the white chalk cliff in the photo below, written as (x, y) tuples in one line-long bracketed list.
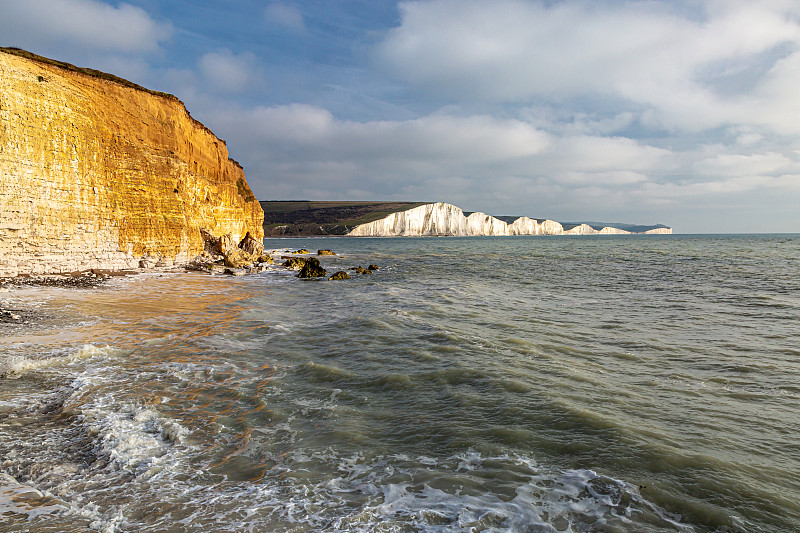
[(447, 219)]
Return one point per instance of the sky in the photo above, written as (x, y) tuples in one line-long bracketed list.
[(680, 113)]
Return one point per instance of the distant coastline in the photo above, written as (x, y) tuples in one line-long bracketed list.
[(419, 219)]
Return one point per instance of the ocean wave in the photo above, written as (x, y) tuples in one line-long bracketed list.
[(24, 501), (89, 440), (545, 499), (325, 491), (130, 437), (15, 366)]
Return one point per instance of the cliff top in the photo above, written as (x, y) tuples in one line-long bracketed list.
[(98, 74), (83, 70), (325, 212), (286, 218)]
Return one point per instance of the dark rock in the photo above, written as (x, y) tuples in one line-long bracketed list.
[(339, 275), (296, 263), (9, 316), (251, 246), (122, 273), (265, 258), (302, 251), (362, 270), (312, 269), (325, 252), (79, 279), (373, 267)]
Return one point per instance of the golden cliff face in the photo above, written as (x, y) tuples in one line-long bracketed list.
[(94, 174)]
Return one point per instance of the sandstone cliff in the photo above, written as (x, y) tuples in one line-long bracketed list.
[(96, 172), (446, 219)]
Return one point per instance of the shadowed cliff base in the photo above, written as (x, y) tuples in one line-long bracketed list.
[(306, 218)]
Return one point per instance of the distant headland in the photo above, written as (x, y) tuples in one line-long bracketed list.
[(417, 219)]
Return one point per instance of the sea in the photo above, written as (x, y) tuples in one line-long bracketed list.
[(486, 384)]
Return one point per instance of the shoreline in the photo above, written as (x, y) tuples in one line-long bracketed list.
[(283, 259)]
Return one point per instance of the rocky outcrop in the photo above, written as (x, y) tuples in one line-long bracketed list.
[(441, 219), (312, 269), (295, 263), (98, 173)]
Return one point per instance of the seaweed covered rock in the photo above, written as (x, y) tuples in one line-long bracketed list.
[(296, 263), (325, 252), (373, 267), (266, 258), (339, 275), (238, 258), (312, 269), (362, 270), (302, 251)]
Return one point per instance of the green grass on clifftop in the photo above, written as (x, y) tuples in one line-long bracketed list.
[(290, 218)]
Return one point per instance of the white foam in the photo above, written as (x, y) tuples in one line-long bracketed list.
[(15, 366), (551, 501), (133, 438), (19, 499)]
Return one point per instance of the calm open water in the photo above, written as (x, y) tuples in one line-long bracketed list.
[(542, 384)]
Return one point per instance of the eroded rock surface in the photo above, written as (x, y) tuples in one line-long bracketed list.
[(97, 174)]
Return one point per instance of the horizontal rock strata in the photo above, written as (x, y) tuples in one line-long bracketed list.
[(95, 173)]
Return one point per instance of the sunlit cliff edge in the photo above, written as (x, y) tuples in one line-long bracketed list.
[(96, 172), (447, 219)]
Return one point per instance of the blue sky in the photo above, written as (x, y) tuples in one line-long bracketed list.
[(683, 113)]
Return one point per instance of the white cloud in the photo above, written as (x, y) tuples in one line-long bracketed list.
[(230, 72), (86, 24), (432, 139), (285, 15), (766, 164), (606, 154), (503, 166), (648, 54), (302, 151)]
